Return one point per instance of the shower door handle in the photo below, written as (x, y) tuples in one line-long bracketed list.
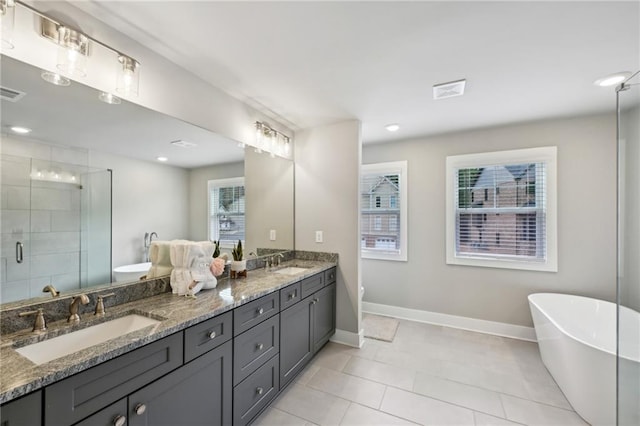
[(19, 255)]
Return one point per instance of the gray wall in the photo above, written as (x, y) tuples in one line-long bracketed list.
[(327, 199), (198, 178), (586, 223), (269, 198)]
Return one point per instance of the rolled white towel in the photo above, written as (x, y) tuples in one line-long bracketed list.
[(159, 253), (177, 249)]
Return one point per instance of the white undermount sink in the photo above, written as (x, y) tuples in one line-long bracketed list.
[(69, 343), (291, 270)]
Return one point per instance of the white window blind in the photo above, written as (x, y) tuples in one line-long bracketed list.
[(501, 209), (227, 211), (383, 211)]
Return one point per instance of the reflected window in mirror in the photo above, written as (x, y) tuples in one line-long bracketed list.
[(227, 211)]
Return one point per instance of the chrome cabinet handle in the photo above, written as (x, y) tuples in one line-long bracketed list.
[(120, 420), (212, 335), (140, 409), (259, 390), (260, 311), (259, 346), (19, 254)]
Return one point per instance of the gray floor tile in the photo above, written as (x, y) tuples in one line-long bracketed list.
[(349, 387), (424, 410), (275, 417), (312, 405), (534, 413), (358, 415), (380, 372)]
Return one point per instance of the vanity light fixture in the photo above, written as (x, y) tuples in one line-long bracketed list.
[(128, 80), (55, 78), (20, 130), (271, 141), (392, 127), (7, 21), (184, 144), (109, 98), (612, 79)]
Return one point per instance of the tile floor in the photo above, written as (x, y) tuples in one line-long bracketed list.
[(429, 375)]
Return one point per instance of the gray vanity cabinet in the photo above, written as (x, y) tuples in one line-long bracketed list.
[(324, 316), (199, 393), (307, 325), (296, 343), (25, 411)]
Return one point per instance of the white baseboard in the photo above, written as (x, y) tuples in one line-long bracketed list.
[(348, 338), (464, 323)]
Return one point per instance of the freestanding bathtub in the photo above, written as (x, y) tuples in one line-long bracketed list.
[(577, 341), (128, 273)]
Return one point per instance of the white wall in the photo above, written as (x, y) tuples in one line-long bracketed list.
[(198, 179), (269, 186), (586, 223), (147, 197), (327, 174)]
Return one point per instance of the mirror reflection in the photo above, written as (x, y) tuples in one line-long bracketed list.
[(84, 191)]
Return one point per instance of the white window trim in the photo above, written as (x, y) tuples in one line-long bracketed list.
[(547, 155), (392, 167), (219, 183)]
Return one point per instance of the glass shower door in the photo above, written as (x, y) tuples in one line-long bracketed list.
[(628, 359)]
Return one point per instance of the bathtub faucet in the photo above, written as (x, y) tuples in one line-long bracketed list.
[(148, 239)]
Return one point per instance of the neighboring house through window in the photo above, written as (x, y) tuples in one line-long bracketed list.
[(384, 211), (501, 209), (227, 211)]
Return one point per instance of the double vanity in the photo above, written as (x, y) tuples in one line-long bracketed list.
[(217, 359)]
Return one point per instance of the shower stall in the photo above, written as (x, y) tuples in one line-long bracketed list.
[(55, 227), (628, 343)]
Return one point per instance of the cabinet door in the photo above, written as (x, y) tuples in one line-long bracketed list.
[(113, 415), (26, 411), (324, 316), (296, 347), (199, 393)]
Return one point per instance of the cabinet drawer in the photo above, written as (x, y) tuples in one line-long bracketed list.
[(24, 411), (207, 335), (254, 347), (246, 316), (312, 284), (289, 296), (78, 396), (253, 394), (113, 415), (330, 276)]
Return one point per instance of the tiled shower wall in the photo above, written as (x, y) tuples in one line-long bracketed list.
[(44, 216)]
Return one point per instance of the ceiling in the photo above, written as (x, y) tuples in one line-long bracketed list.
[(73, 116), (315, 63)]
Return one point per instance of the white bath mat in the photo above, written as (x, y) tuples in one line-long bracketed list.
[(379, 327)]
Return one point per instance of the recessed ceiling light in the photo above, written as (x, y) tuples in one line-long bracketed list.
[(163, 159), (449, 90), (55, 78), (612, 79), (392, 127), (109, 98), (21, 130)]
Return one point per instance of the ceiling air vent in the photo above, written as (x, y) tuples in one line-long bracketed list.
[(449, 90), (11, 95)]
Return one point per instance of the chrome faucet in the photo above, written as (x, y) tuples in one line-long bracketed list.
[(277, 257), (51, 289), (148, 239), (73, 308)]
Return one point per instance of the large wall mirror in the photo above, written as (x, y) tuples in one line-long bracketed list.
[(81, 190)]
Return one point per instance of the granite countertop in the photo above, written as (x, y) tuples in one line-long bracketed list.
[(19, 376)]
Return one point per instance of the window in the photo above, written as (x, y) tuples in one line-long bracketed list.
[(384, 211), (501, 209), (226, 211)]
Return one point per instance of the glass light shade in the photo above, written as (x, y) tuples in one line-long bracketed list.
[(55, 78), (109, 98), (259, 137), (128, 81), (73, 49), (7, 21)]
